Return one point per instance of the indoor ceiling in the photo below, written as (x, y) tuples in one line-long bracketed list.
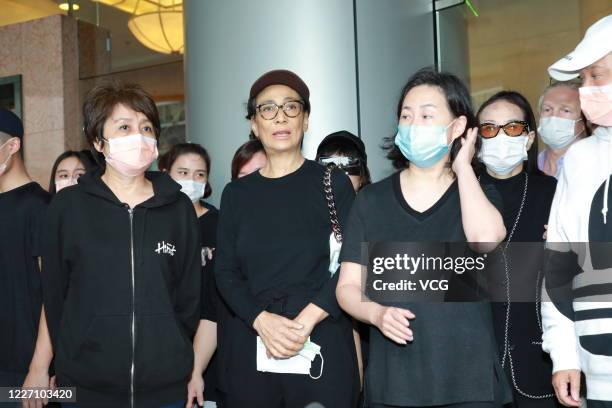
[(126, 53), (17, 11)]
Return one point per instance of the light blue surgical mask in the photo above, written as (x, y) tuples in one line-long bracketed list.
[(422, 145)]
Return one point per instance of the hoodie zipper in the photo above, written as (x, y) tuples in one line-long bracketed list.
[(133, 317)]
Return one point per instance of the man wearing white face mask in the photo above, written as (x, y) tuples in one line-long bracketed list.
[(561, 124), (22, 206), (578, 335)]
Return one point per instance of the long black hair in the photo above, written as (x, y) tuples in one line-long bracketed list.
[(520, 102), (82, 157), (459, 103)]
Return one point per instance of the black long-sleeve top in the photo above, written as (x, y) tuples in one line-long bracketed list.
[(273, 241)]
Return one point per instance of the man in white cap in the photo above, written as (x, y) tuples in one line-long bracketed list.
[(578, 333)]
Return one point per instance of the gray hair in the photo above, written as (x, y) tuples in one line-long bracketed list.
[(4, 137), (569, 84)]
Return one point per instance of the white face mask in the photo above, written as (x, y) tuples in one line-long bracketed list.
[(556, 132), (63, 183), (502, 153), (309, 352), (193, 189)]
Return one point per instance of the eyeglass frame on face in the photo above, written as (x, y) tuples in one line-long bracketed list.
[(279, 107), (524, 123)]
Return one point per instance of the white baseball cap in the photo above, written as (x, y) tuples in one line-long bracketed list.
[(595, 45)]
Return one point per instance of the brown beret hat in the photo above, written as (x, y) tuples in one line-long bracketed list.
[(280, 77)]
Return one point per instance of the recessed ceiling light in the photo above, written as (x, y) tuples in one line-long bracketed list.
[(65, 6)]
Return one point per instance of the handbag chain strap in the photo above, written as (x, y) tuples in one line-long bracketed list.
[(331, 204)]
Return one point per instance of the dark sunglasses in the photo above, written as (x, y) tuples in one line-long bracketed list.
[(512, 129), (350, 165)]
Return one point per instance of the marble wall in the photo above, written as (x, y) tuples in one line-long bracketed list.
[(44, 52), (512, 43), (60, 59)]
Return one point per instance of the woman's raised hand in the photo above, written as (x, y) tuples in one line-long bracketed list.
[(467, 151)]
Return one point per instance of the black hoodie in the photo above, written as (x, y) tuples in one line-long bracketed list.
[(121, 289)]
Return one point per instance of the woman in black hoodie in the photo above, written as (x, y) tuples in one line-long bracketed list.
[(121, 265)]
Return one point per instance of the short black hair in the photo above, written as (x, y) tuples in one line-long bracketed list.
[(459, 103), (521, 102)]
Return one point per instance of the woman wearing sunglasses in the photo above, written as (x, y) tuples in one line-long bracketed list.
[(347, 152), (289, 344), (507, 131), (425, 353), (121, 266)]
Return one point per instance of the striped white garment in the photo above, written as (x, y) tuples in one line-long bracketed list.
[(582, 338)]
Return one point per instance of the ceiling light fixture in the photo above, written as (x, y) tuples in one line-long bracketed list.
[(156, 24), (160, 30), (65, 6)]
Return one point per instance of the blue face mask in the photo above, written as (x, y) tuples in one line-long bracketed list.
[(422, 145)]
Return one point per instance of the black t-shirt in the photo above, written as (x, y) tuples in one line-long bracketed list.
[(21, 213), (273, 242), (208, 236), (540, 192), (453, 356), (211, 301)]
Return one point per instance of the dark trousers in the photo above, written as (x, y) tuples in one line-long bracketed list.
[(11, 379), (522, 402), (338, 386), (598, 404), (460, 405), (179, 404)]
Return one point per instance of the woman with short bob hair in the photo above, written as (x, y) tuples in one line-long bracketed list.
[(121, 265)]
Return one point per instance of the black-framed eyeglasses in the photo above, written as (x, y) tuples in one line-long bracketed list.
[(513, 129), (291, 109), (350, 165)]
